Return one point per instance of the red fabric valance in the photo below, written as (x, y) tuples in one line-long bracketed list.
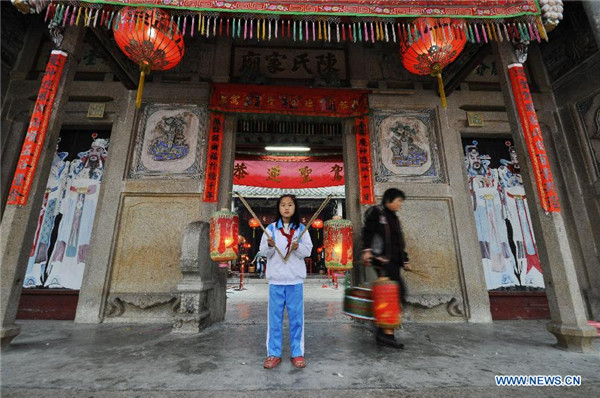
[(388, 8)]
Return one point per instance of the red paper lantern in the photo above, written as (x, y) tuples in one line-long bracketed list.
[(438, 45), (224, 236), (317, 224), (338, 244), (386, 306), (253, 223), (150, 39)]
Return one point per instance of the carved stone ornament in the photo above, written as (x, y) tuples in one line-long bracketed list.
[(116, 303), (521, 49), (454, 305), (56, 33)]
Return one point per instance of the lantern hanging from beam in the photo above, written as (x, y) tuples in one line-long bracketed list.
[(317, 224), (253, 223), (149, 38), (437, 45), (224, 236), (338, 244)]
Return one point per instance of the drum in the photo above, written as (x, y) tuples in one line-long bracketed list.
[(386, 303), (358, 303)]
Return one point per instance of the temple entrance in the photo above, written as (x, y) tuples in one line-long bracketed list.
[(276, 155)]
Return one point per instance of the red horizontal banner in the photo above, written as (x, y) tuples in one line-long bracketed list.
[(304, 101), (291, 173)]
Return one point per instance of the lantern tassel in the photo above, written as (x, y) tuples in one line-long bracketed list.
[(145, 70), (441, 88)]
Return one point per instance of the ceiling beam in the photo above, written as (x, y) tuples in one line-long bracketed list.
[(118, 63), (466, 70)]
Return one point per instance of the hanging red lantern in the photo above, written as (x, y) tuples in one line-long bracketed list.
[(338, 244), (438, 45), (253, 223), (317, 224), (224, 236), (149, 38)]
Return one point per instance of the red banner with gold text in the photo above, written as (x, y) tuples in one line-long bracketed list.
[(363, 154), (533, 138), (36, 133), (289, 172), (213, 157)]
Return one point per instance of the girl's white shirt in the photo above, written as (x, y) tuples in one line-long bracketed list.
[(293, 271)]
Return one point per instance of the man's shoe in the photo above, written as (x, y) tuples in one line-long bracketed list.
[(389, 340)]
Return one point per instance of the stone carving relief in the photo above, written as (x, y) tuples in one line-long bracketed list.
[(170, 142), (116, 303), (406, 147), (454, 306)]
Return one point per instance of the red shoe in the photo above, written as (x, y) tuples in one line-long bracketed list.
[(271, 362), (299, 362)]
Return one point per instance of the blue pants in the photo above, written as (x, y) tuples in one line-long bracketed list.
[(292, 297)]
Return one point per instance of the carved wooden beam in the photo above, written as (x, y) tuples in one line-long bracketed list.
[(463, 72), (119, 64)]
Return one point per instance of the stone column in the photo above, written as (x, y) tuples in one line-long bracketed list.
[(96, 276), (353, 208), (569, 322), (592, 9), (222, 59), (19, 223)]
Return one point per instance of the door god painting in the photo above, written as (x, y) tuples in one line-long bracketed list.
[(62, 238), (504, 230)]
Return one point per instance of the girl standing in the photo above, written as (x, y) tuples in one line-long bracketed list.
[(286, 280)]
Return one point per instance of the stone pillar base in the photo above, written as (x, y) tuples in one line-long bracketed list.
[(572, 337), (8, 334), (190, 323)]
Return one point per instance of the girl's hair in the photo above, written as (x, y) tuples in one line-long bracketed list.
[(392, 194), (295, 221)]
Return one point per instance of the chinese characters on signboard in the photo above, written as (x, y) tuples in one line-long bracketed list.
[(36, 133), (289, 63), (213, 160), (533, 137)]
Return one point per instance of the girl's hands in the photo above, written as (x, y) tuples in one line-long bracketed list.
[(294, 245), (271, 242)]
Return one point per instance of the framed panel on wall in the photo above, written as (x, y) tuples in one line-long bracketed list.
[(169, 142), (406, 147)]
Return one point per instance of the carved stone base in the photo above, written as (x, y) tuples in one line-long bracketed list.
[(573, 338), (191, 323), (146, 307), (8, 334), (453, 305)]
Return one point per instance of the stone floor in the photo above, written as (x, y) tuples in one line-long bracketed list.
[(63, 359)]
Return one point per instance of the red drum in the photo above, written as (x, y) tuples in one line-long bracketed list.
[(386, 303), (358, 303)]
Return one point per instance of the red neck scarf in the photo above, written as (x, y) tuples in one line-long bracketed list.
[(288, 236)]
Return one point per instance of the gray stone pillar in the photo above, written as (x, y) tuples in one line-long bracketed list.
[(222, 61), (569, 321), (227, 162), (94, 286), (592, 9), (19, 223)]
